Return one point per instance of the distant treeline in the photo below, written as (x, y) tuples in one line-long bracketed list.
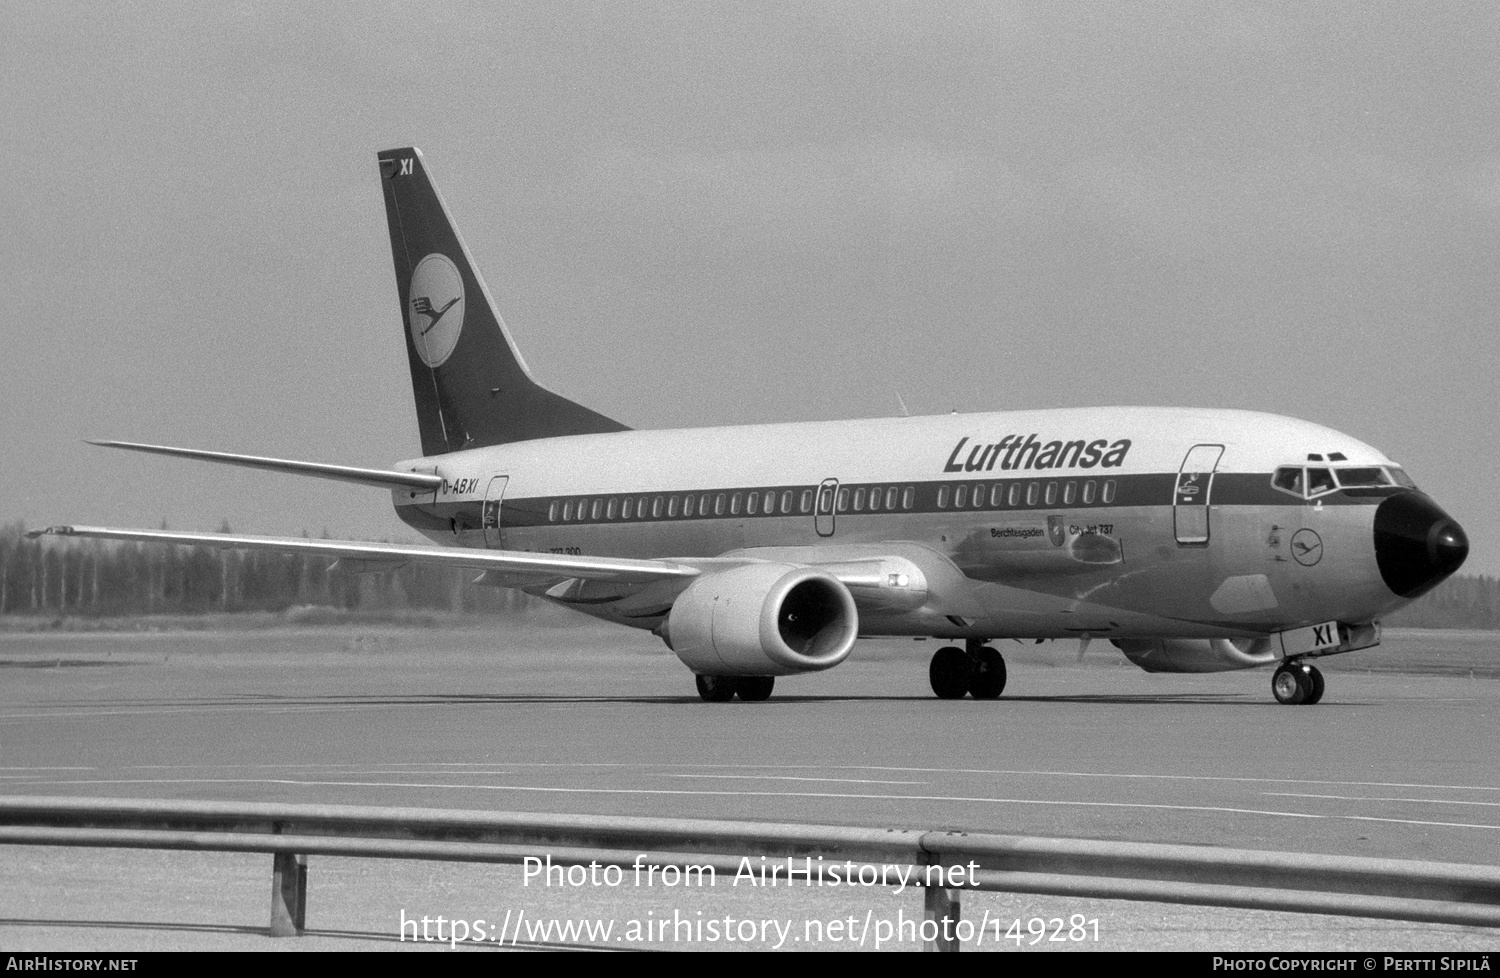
[(1458, 602), (103, 578), (90, 577)]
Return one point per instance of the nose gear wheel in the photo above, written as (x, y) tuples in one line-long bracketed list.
[(1297, 684)]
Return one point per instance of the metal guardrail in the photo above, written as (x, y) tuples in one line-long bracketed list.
[(1207, 876)]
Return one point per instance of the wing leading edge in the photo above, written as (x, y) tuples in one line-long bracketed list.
[(877, 580), (389, 555)]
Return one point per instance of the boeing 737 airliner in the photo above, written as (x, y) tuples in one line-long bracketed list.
[(1193, 540)]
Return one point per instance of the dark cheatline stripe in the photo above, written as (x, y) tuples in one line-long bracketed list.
[(1148, 489)]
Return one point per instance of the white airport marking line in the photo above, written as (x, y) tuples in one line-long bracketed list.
[(672, 791), (1417, 801), (774, 794), (1182, 777), (18, 777), (332, 768), (789, 777), (972, 771), (1412, 821), (653, 766), (381, 701), (48, 767), (31, 778), (174, 711), (498, 772)]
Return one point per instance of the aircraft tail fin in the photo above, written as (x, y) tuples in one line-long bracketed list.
[(472, 387)]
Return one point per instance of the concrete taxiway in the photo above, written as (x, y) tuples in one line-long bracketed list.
[(592, 720)]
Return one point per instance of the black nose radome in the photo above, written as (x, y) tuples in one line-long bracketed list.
[(1416, 544)]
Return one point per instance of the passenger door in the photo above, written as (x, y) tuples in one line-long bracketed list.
[(491, 516), (823, 507), (1190, 500)]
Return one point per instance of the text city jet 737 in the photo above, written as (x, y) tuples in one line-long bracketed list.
[(1193, 540)]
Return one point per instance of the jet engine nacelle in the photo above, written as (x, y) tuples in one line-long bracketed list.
[(1198, 654), (762, 620)]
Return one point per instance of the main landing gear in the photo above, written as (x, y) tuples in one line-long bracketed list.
[(1297, 682), (722, 689), (976, 669)]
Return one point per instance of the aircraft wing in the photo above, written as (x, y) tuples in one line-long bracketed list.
[(882, 577), (386, 556)]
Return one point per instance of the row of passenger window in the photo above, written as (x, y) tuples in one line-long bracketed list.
[(859, 499), (1003, 494), (870, 498), (701, 505)]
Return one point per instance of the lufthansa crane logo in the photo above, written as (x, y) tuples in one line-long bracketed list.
[(436, 297), (1307, 547)]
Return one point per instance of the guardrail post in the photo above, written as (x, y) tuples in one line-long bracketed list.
[(288, 894), (941, 911)]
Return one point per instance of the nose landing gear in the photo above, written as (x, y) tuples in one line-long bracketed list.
[(1297, 683), (977, 669)]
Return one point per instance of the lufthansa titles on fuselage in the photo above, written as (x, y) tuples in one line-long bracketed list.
[(1015, 452)]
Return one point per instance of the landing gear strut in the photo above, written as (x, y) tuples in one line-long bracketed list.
[(722, 689), (976, 669), (1297, 682)]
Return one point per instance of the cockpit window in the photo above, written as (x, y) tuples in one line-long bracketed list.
[(1362, 477), (1305, 482), (1402, 479)]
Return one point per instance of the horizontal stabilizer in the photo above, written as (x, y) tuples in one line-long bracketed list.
[(381, 478), (542, 566)]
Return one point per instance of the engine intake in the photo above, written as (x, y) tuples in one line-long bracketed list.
[(763, 620)]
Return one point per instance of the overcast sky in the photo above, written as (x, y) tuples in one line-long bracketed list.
[(711, 213)]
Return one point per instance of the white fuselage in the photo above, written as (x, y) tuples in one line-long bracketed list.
[(1084, 523)]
